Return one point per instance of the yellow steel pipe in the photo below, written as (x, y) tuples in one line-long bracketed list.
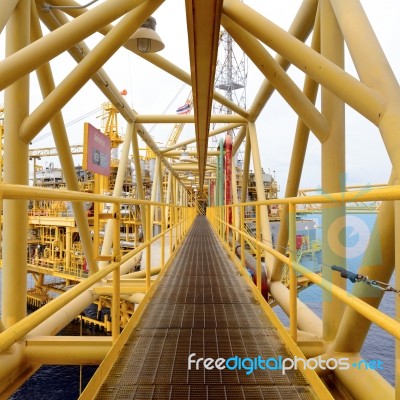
[(172, 69), (7, 7), (11, 191), (278, 78), (85, 69), (117, 192), (296, 162), (60, 136), (176, 154), (67, 350), (31, 57), (109, 291), (362, 98), (300, 28), (188, 118), (377, 75), (397, 302), (333, 169), (241, 135), (292, 273), (376, 316), (307, 319), (105, 84), (377, 263), (16, 171), (258, 176), (142, 274), (214, 132), (23, 327), (372, 383)]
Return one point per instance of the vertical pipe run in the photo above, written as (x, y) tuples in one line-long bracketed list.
[(211, 194)]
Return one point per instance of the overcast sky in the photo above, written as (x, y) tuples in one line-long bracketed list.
[(152, 92)]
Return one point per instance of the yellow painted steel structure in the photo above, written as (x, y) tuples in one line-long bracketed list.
[(26, 341)]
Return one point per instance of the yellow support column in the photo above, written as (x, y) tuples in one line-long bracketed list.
[(397, 285), (61, 141), (258, 174), (16, 166), (378, 263), (333, 172)]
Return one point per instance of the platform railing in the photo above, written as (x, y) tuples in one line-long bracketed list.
[(233, 234), (173, 230)]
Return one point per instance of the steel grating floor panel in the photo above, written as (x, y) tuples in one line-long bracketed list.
[(202, 306)]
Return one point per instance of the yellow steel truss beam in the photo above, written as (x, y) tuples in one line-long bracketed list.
[(85, 69), (31, 57), (203, 21), (359, 96), (189, 118), (279, 79)]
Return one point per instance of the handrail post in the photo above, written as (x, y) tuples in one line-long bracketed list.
[(258, 250), (292, 272), (242, 255), (148, 247), (171, 221), (233, 231), (116, 252), (163, 236)]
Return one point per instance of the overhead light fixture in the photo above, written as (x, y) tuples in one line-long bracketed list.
[(146, 39), (185, 155)]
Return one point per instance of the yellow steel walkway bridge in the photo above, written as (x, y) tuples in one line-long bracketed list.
[(205, 309), (41, 39)]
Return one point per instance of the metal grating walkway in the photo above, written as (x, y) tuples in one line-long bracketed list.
[(202, 306)]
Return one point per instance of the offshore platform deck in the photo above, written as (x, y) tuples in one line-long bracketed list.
[(205, 309)]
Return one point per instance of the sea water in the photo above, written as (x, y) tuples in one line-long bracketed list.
[(63, 382)]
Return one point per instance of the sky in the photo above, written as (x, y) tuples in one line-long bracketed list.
[(152, 92)]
